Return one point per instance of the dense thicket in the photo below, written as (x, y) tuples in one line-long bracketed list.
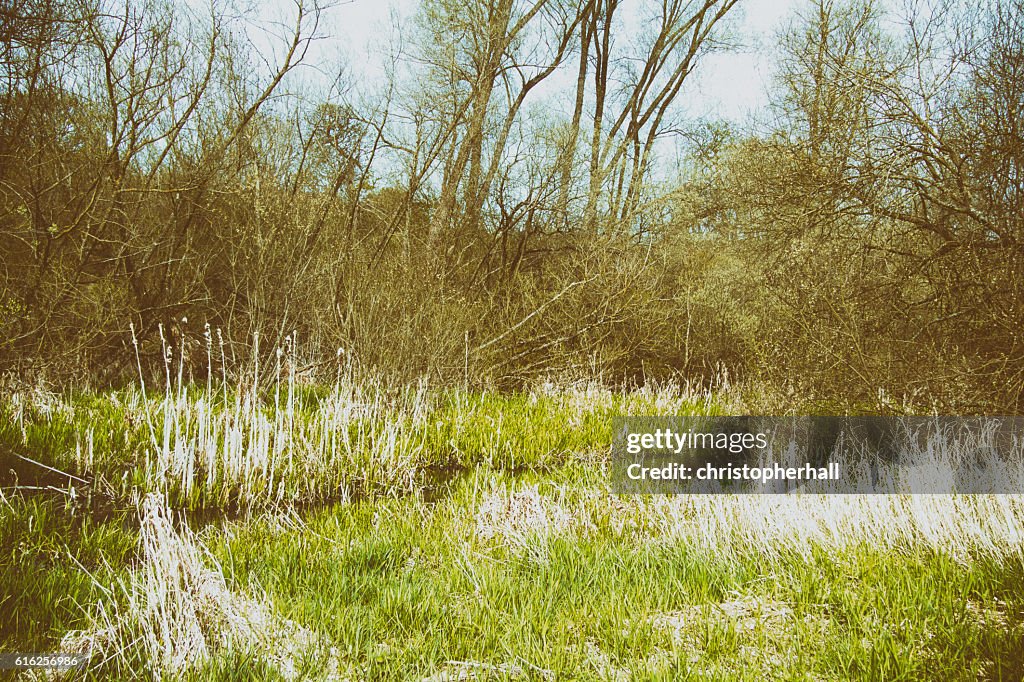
[(503, 204)]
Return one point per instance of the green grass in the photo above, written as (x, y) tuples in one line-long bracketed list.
[(428, 535), (55, 566), (230, 449)]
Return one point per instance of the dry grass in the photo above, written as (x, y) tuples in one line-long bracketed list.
[(446, 588), (214, 451), (961, 526), (180, 613), (524, 520)]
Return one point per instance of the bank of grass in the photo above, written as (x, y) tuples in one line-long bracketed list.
[(521, 575), (422, 535), (226, 449), (55, 567)]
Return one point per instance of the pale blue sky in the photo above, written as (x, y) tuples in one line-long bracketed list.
[(731, 85)]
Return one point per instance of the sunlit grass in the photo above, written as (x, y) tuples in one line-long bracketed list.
[(359, 533), (236, 447)]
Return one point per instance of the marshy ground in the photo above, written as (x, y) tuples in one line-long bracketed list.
[(358, 533)]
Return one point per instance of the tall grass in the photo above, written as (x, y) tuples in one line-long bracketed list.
[(770, 527), (249, 442), (524, 566), (175, 614)]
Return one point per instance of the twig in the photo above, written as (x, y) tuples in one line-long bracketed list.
[(87, 572), (543, 672), (57, 471), (536, 312), (33, 487)]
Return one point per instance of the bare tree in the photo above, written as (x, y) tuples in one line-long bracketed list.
[(627, 124)]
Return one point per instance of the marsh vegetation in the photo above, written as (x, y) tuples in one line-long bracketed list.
[(309, 373), (354, 533)]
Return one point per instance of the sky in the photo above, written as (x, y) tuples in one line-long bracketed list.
[(731, 85)]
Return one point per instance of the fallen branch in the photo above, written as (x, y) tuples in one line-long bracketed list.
[(56, 471), (536, 312)]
